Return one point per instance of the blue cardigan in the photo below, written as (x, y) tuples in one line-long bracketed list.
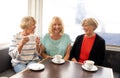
[(97, 52)]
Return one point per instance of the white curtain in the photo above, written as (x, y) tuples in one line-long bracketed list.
[(35, 10)]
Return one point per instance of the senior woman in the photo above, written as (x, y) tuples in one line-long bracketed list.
[(24, 48), (88, 46), (56, 41)]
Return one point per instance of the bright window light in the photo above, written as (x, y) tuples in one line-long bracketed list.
[(12, 11), (106, 12)]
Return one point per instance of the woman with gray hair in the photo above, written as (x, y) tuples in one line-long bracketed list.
[(88, 46)]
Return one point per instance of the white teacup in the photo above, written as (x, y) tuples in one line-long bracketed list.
[(32, 37), (89, 64), (57, 58)]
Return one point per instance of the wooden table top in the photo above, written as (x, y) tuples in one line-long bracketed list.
[(68, 69)]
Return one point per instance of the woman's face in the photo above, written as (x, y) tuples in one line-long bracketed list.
[(57, 27), (31, 29), (88, 29)]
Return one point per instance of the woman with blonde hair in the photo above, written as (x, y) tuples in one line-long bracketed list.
[(88, 46), (24, 48), (56, 41)]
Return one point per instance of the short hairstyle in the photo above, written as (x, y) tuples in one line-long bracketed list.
[(90, 21), (27, 21), (54, 19)]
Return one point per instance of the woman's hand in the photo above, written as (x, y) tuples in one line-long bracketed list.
[(73, 59), (22, 43), (38, 45), (24, 40), (38, 40)]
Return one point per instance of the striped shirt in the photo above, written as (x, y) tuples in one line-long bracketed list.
[(28, 52)]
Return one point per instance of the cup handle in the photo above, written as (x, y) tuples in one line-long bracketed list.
[(84, 62)]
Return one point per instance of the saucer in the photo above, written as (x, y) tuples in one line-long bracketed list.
[(36, 66), (60, 62), (94, 68)]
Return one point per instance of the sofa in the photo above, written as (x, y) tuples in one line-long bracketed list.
[(6, 69), (112, 60)]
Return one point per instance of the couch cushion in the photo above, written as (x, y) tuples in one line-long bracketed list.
[(5, 60), (112, 59), (7, 73)]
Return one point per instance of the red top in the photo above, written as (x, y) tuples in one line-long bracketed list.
[(86, 48)]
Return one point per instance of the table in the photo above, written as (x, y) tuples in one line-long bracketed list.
[(67, 70)]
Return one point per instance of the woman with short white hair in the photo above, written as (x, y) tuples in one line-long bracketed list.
[(88, 46)]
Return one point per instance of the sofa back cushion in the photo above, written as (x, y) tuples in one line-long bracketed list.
[(5, 60), (112, 60)]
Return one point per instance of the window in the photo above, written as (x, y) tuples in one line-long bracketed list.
[(106, 12), (12, 11)]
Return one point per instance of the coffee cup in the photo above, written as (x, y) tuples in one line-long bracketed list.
[(58, 58), (32, 37), (89, 64)]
